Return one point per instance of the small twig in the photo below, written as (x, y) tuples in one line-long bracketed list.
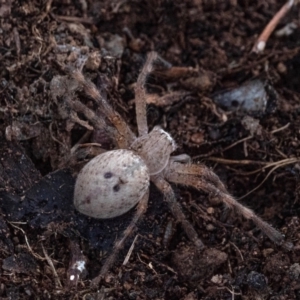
[(230, 291), (160, 264), (229, 266), (53, 137), (237, 249), (282, 162), (130, 251), (236, 162), (281, 128), (290, 161), (83, 139), (142, 261), (281, 153), (46, 12), (238, 142), (86, 145), (50, 263), (260, 44), (149, 265), (27, 242), (266, 165)]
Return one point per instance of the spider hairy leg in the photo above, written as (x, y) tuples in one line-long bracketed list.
[(176, 210), (125, 136), (89, 114), (140, 210), (207, 181), (140, 94)]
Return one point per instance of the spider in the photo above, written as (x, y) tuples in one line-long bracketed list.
[(115, 181)]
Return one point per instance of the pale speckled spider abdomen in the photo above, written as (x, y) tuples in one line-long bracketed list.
[(111, 184)]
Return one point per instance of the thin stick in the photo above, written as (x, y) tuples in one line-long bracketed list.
[(26, 240), (281, 128), (238, 142), (50, 263), (266, 165), (241, 141), (260, 44), (130, 251), (82, 140), (236, 162), (237, 249), (290, 161)]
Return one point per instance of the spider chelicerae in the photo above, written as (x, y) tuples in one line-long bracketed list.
[(115, 181)]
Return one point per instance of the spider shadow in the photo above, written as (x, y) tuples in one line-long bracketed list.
[(50, 200)]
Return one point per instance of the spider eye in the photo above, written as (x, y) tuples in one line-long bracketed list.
[(108, 175)]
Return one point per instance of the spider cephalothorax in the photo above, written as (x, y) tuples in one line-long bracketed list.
[(115, 181)]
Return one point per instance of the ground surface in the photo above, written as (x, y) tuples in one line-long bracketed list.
[(42, 235)]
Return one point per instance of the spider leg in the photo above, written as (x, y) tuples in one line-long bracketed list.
[(202, 178), (124, 134), (186, 168), (140, 210), (89, 114), (140, 94), (176, 210)]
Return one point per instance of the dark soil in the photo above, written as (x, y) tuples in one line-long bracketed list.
[(206, 48)]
